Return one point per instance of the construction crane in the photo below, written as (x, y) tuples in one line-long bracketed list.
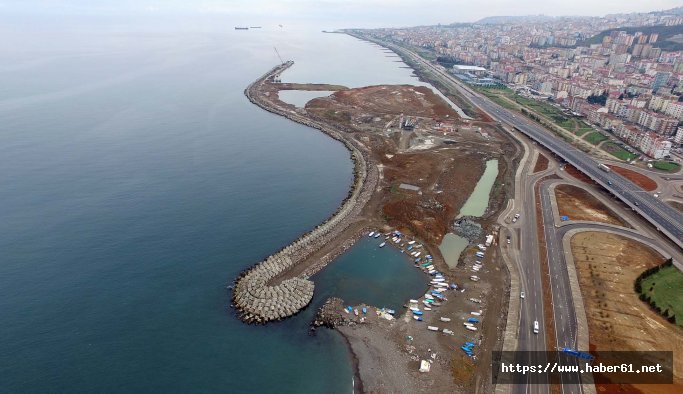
[(278, 55)]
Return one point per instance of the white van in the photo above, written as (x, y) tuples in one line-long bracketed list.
[(536, 329)]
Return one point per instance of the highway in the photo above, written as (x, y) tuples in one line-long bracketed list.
[(525, 252), (665, 218)]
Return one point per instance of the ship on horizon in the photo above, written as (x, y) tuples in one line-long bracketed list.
[(241, 28)]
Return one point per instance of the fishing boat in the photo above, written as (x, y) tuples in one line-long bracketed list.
[(371, 234), (414, 309), (428, 308), (391, 311), (241, 28), (418, 318), (432, 328), (413, 301), (355, 312), (445, 319), (417, 313), (411, 242), (382, 244), (349, 309), (365, 310), (377, 235)]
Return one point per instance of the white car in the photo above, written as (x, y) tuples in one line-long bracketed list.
[(521, 295)]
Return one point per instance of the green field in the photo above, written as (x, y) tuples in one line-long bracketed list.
[(666, 166), (665, 287), (617, 151), (595, 137)]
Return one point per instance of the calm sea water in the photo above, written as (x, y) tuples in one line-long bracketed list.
[(136, 182)]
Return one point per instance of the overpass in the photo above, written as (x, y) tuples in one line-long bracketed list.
[(665, 218)]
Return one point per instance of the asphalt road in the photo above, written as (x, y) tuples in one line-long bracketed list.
[(664, 217)]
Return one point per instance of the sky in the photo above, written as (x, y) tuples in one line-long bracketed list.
[(335, 13)]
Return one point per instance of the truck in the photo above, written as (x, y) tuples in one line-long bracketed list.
[(604, 167)]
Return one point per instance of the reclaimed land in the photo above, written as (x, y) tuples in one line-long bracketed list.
[(261, 293), (397, 135)]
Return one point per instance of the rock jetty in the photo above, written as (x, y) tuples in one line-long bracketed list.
[(262, 293)]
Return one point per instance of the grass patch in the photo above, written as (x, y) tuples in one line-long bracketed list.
[(595, 137), (664, 290), (666, 166), (617, 151)]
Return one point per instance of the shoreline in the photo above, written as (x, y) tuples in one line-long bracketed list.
[(382, 358), (277, 287)]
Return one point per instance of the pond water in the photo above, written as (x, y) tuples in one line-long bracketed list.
[(301, 97), (478, 201)]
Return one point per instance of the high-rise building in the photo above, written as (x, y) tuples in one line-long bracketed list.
[(661, 78)]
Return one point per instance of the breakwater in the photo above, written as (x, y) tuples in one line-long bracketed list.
[(264, 292)]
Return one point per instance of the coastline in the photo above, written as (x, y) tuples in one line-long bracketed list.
[(279, 286), (396, 358)]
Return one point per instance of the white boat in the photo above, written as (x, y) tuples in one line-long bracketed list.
[(471, 328), (414, 309), (475, 313), (411, 242), (427, 308), (377, 235), (413, 301), (382, 244), (371, 234), (429, 296), (432, 328), (447, 331), (439, 280), (444, 319), (355, 312), (418, 254)]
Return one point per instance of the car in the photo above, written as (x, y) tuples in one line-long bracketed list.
[(636, 202), (521, 295), (509, 241), (536, 327), (609, 183)]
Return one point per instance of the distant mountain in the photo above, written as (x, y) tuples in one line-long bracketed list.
[(500, 20)]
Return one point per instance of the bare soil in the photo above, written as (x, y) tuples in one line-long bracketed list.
[(541, 163), (579, 204), (645, 182), (574, 172), (607, 266), (676, 205), (444, 158)]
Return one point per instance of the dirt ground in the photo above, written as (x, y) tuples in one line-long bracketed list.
[(541, 163), (440, 158), (579, 204), (639, 179), (607, 266), (401, 343), (676, 205), (571, 170)]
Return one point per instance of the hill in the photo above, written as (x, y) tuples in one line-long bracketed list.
[(670, 37)]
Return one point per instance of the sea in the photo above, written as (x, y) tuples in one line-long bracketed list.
[(137, 181)]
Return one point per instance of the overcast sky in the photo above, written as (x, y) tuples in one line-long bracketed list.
[(336, 13)]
